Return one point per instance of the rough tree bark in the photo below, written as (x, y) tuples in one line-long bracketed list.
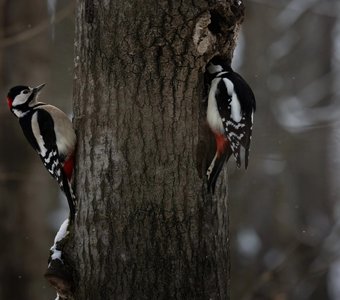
[(145, 227)]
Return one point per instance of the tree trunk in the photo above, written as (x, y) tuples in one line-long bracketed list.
[(146, 229)]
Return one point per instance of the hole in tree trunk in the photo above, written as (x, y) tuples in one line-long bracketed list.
[(217, 21)]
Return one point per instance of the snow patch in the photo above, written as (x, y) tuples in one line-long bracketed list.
[(248, 242), (61, 234)]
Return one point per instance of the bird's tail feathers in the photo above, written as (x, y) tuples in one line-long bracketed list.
[(246, 156), (215, 168), (66, 187)]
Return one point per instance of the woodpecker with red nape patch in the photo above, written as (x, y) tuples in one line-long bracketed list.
[(230, 111), (50, 133)]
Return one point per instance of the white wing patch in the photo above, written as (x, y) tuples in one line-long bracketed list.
[(65, 135), (213, 115), (235, 105), (37, 134)]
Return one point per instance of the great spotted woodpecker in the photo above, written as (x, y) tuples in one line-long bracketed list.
[(231, 106), (50, 133)]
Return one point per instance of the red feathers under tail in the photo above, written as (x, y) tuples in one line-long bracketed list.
[(68, 167), (66, 185), (223, 152)]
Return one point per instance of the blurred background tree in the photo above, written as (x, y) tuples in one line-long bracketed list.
[(284, 209), (290, 56)]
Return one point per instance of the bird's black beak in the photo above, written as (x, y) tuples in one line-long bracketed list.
[(38, 88)]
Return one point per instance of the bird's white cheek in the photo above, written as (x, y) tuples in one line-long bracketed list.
[(20, 99)]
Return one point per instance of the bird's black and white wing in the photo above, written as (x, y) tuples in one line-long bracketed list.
[(236, 113), (43, 130)]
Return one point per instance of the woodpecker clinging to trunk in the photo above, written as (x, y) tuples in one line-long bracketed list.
[(50, 133), (231, 106)]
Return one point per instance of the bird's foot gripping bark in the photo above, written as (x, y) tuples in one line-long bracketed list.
[(58, 273)]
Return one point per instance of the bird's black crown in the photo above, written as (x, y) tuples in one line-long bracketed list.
[(15, 91)]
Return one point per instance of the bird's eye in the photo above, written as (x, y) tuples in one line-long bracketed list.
[(26, 91)]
